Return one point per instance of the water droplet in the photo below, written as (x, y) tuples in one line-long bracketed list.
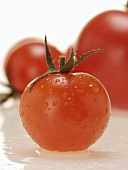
[(65, 95), (66, 86), (75, 87), (81, 82), (42, 86), (50, 91), (62, 82), (63, 79), (72, 94), (55, 103), (79, 76), (69, 101), (94, 88), (57, 80), (29, 107), (90, 85), (46, 105)]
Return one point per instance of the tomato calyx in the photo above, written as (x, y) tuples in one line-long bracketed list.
[(39, 77), (49, 60), (65, 67)]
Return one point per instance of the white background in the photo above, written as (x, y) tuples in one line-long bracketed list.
[(60, 20)]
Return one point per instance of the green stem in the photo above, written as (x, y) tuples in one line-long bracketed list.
[(86, 55), (68, 66), (62, 61), (38, 78), (49, 60), (65, 67)]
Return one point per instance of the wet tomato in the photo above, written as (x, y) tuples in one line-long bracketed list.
[(26, 60), (65, 111), (109, 31)]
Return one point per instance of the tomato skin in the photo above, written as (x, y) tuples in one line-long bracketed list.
[(108, 31), (65, 112), (26, 60)]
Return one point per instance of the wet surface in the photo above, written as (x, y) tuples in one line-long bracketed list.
[(19, 152)]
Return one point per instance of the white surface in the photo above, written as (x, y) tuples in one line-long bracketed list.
[(19, 152)]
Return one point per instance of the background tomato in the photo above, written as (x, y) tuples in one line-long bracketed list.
[(26, 61), (65, 112), (108, 31)]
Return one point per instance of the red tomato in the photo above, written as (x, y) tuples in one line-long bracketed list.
[(65, 112), (26, 60), (108, 31)]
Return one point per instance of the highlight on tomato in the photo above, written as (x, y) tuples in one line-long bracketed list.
[(64, 111), (25, 61), (109, 31)]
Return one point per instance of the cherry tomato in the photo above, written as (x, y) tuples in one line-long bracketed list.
[(65, 112), (109, 31), (26, 60)]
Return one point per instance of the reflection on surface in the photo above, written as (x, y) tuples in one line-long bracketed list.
[(5, 163), (19, 152)]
